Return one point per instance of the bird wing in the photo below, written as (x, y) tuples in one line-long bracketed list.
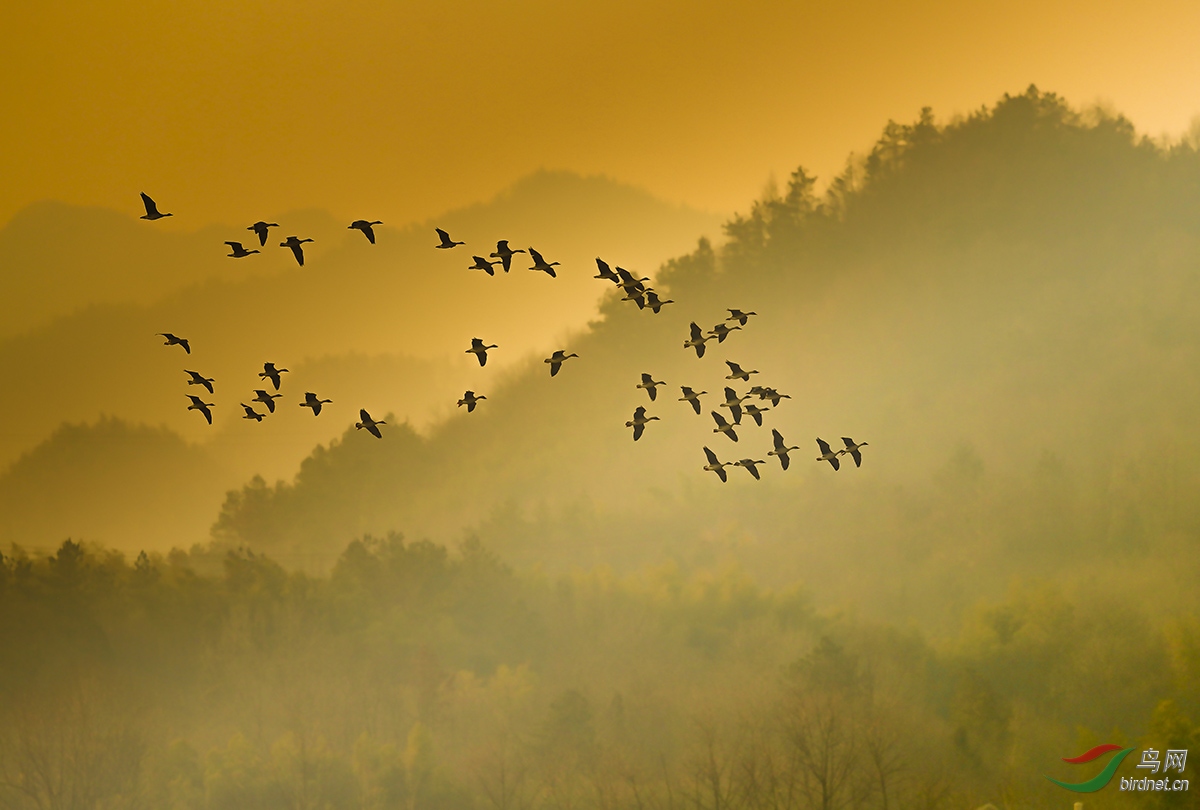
[(824, 447), (554, 367), (364, 416), (696, 333), (778, 437), (207, 413), (151, 208), (638, 428), (720, 420), (712, 457), (849, 442), (370, 232), (647, 379), (445, 237), (537, 257), (374, 430)]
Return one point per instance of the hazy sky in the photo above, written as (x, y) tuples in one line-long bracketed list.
[(398, 110)]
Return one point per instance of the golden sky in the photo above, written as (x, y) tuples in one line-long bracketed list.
[(227, 111)]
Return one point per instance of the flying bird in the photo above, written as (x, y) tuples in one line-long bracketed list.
[(721, 331), (540, 264), (773, 395), (605, 271), (781, 449), (446, 244), (736, 372), (311, 401), (200, 405), (655, 303), (640, 420), (697, 342), (504, 253), (266, 399), (151, 209), (175, 341), (484, 265), (557, 359), (271, 373), (628, 282), (739, 316), (755, 412), (479, 350), (251, 413), (637, 296), (723, 426), (261, 229), (691, 396), (199, 379), (716, 466), (365, 226), (827, 454), (852, 449), (749, 464), (239, 252), (734, 403), (470, 400), (370, 424), (651, 385), (294, 243)]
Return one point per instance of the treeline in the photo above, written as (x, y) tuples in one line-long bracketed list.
[(416, 677)]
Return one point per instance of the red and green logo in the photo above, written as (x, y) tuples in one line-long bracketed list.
[(1101, 779)]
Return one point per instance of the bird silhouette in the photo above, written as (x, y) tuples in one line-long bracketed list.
[(175, 341), (852, 449), (266, 399), (365, 226), (540, 264), (715, 465), (739, 316), (734, 403), (736, 372), (504, 253), (484, 265), (200, 405), (827, 454), (723, 426), (199, 379), (692, 397), (446, 242), (271, 373), (557, 359), (697, 341), (639, 422), (721, 331), (470, 400), (781, 449), (251, 413), (651, 385), (605, 271), (751, 466), (655, 303), (773, 395), (479, 350), (370, 424), (239, 252), (294, 243), (311, 401), (151, 209), (261, 229), (755, 412)]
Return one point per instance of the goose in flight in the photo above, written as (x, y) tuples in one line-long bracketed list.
[(721, 331), (484, 265), (479, 350), (655, 303), (697, 342), (470, 399), (271, 373), (540, 264), (294, 243), (261, 229), (716, 466), (504, 253), (637, 296), (557, 359), (639, 422), (734, 403), (751, 466), (446, 244), (200, 379), (692, 397), (200, 405), (266, 399), (827, 454), (251, 413), (365, 226), (370, 424), (755, 412), (605, 272), (151, 209), (852, 449), (781, 449), (736, 372), (651, 385), (311, 401), (239, 252), (629, 282), (175, 341), (723, 426), (739, 316), (773, 395)]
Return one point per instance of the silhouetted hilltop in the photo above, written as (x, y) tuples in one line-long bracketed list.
[(1004, 306)]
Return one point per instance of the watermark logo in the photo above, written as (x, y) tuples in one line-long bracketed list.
[(1101, 779), (1175, 759)]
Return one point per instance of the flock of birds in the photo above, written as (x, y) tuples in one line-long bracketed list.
[(635, 290)]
